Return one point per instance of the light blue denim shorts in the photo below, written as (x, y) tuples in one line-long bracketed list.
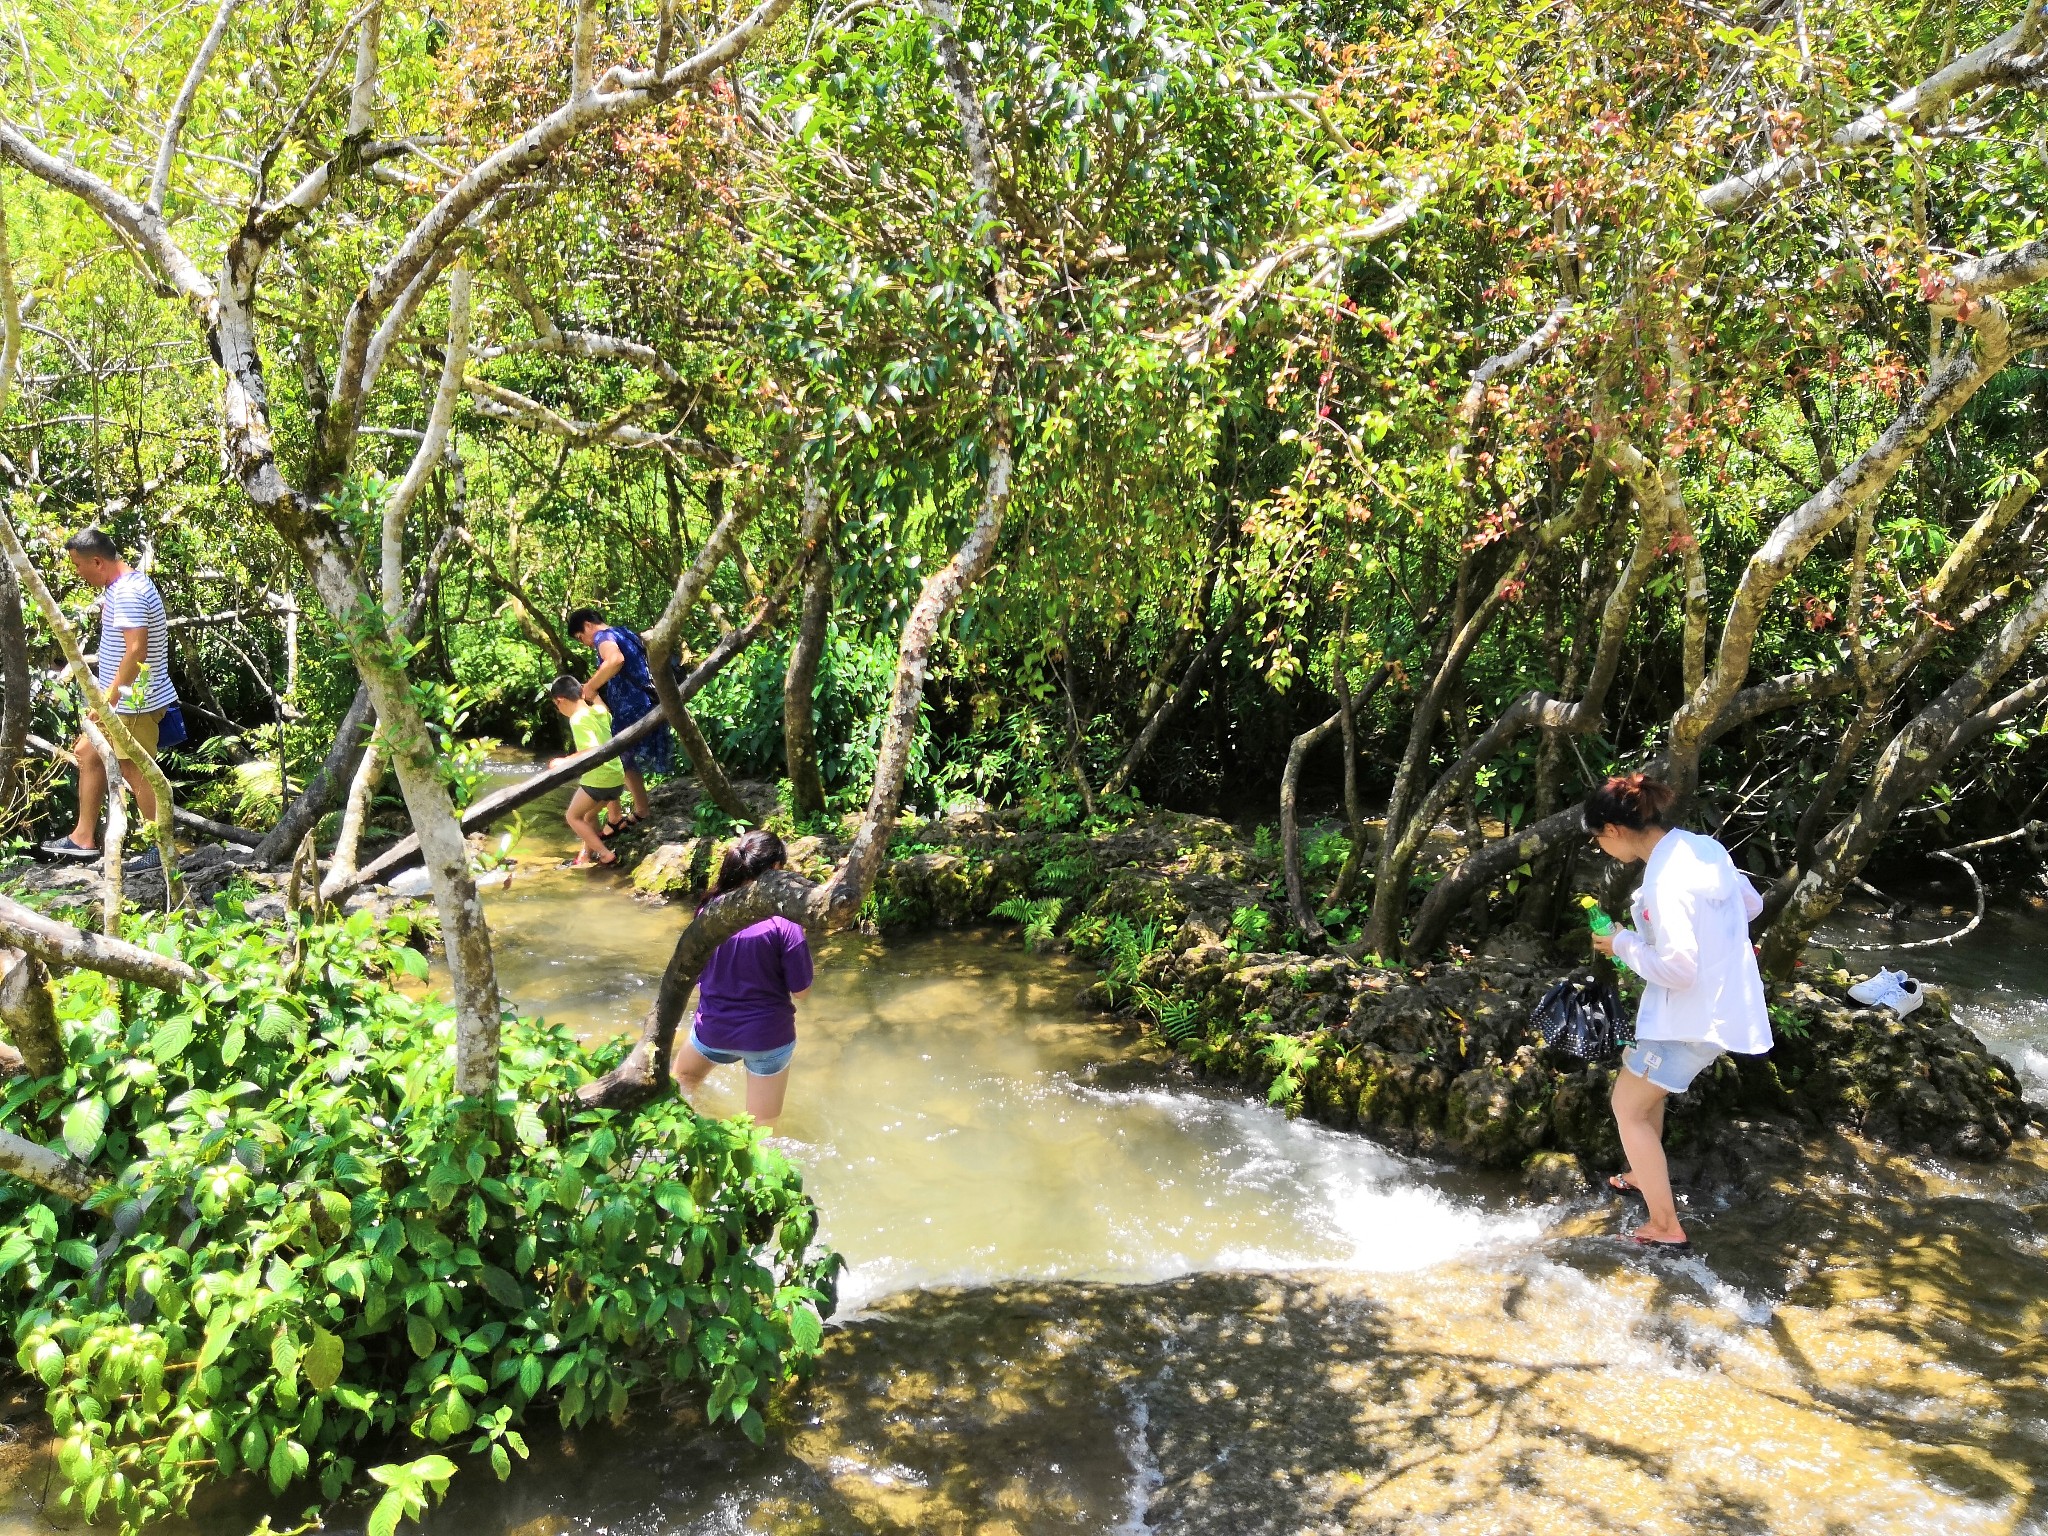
[(759, 1063), (1671, 1064)]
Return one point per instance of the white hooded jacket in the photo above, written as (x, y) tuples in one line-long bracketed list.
[(1691, 945)]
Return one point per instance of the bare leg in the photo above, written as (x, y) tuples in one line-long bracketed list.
[(138, 786), (1639, 1116), (582, 819), (636, 786), (92, 794), (690, 1066), (764, 1097)]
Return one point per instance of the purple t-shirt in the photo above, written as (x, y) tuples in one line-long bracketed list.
[(743, 998)]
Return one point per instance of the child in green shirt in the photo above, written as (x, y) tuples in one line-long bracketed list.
[(590, 725)]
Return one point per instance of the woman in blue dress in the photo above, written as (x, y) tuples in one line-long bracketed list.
[(624, 682)]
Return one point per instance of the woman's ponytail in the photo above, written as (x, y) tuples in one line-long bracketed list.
[(751, 855)]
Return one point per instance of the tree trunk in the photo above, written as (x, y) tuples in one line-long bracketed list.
[(30, 1014), (16, 681), (1910, 763), (1290, 828), (1482, 867), (1148, 734), (1354, 808), (324, 789), (710, 774), (355, 815), (113, 842), (799, 696)]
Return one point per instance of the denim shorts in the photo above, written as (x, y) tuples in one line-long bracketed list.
[(759, 1063), (1671, 1064)]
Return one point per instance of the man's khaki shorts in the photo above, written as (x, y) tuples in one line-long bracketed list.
[(144, 728)]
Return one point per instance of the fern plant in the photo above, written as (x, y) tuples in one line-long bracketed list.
[(1295, 1057), (1180, 1019), (1251, 930), (1039, 917), (1064, 874), (1127, 947)]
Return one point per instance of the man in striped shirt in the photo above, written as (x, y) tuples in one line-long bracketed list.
[(133, 671)]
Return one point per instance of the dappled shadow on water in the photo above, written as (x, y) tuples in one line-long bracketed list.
[(1557, 1392), (1914, 1301)]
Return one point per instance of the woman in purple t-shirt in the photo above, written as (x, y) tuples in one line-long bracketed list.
[(746, 998)]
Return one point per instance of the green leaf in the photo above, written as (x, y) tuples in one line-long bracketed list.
[(280, 1466), (218, 1336), (78, 1253), (323, 1360), (530, 1375), (389, 1511), (805, 1328), (171, 1040), (420, 1334), (503, 1288), (231, 1044), (85, 1126)]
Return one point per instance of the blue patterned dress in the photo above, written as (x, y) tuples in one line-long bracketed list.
[(629, 694)]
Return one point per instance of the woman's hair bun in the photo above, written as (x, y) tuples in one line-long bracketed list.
[(1632, 800)]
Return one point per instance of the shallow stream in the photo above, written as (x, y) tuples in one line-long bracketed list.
[(1088, 1294)]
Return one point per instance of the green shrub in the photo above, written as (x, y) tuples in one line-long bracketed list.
[(309, 1253)]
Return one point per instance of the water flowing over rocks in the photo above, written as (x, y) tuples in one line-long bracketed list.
[(1185, 917)]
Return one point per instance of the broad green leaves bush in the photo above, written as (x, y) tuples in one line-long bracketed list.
[(310, 1256)]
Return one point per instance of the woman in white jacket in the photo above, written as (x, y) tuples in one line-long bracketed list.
[(1702, 993)]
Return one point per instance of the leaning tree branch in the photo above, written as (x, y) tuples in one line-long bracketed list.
[(1952, 385), (45, 1169), (181, 108), (2012, 57), (56, 943)]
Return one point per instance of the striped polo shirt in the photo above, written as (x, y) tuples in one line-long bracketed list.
[(133, 602)]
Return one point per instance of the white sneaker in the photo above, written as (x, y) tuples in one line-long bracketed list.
[(1894, 990), (1872, 989)]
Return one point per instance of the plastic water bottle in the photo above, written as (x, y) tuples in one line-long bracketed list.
[(1596, 918)]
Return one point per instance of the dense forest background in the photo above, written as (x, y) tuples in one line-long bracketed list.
[(1454, 403)]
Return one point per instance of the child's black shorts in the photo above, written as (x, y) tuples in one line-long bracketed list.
[(602, 792)]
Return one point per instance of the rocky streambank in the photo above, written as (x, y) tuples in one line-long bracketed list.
[(1184, 919)]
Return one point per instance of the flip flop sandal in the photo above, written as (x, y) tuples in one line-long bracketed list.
[(1677, 1250), (1620, 1185)]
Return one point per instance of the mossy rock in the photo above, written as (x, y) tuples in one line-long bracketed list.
[(677, 869)]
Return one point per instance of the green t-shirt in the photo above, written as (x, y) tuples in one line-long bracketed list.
[(591, 726)]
